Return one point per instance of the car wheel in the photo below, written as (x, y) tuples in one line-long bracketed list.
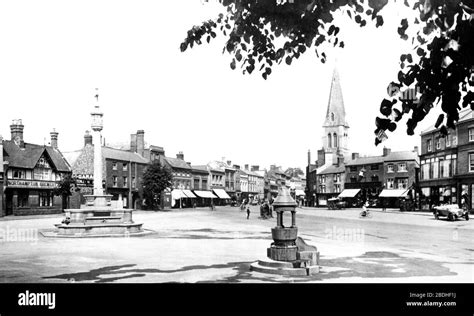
[(436, 215), (450, 217), (467, 216)]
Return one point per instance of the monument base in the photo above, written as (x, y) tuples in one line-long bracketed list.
[(99, 220), (299, 260), (295, 268)]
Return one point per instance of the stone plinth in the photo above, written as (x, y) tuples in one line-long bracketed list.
[(98, 200), (97, 222), (282, 253), (284, 268)]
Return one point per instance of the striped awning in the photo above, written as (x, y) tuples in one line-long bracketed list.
[(394, 193), (221, 193), (189, 194), (349, 193), (205, 194)]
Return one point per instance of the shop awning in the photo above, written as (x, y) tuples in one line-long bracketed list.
[(349, 193), (394, 193), (221, 193), (205, 194), (177, 194), (299, 192), (189, 194)]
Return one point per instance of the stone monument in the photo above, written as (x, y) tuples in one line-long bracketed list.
[(288, 254), (97, 217)]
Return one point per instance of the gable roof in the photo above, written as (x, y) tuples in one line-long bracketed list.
[(28, 156), (122, 155)]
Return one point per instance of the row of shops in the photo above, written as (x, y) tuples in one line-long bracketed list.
[(387, 198), (196, 198)]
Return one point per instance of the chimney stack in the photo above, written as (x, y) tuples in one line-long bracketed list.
[(246, 167), (355, 156), (236, 167), (133, 143), (87, 139), (255, 168), (229, 162), (321, 158), (54, 139), (140, 141), (17, 132), (386, 151), (340, 161), (309, 157), (180, 155), (415, 150)]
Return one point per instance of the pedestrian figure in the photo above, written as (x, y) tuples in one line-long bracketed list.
[(248, 212)]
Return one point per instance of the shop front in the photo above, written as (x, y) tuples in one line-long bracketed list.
[(31, 197)]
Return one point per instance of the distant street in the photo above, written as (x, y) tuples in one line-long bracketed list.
[(199, 245)]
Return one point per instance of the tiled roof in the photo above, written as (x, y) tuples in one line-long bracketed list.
[(177, 163), (393, 156), (28, 156), (333, 169), (200, 168), (366, 160), (122, 155), (402, 155)]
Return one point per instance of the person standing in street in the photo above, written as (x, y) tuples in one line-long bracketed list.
[(248, 212)]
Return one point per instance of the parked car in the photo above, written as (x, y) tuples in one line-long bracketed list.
[(451, 211)]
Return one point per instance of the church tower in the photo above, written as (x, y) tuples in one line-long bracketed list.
[(335, 127)]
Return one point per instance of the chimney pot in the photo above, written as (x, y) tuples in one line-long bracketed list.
[(180, 155), (386, 151), (355, 156)]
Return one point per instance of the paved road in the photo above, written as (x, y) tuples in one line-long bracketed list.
[(218, 246)]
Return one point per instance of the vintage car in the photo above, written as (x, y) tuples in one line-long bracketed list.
[(336, 204), (451, 211)]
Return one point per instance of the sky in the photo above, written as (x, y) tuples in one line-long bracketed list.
[(55, 53)]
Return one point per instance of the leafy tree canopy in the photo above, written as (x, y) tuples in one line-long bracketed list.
[(263, 33), (65, 185), (156, 178), (294, 172)]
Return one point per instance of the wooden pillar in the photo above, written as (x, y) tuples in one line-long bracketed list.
[(293, 218)]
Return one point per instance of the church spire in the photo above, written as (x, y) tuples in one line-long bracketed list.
[(335, 127), (336, 113)]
